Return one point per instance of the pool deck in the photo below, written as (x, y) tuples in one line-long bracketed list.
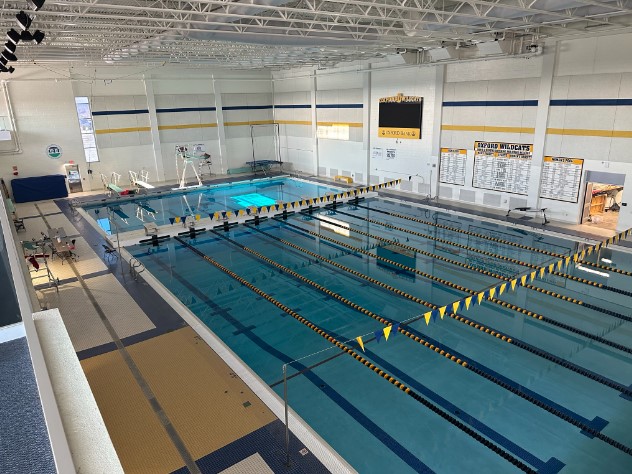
[(169, 401)]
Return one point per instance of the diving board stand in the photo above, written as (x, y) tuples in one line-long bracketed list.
[(263, 165), (140, 180), (531, 210)]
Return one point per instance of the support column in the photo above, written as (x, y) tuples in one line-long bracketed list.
[(433, 164), (316, 155), (541, 122), (153, 125), (366, 122), (221, 132)]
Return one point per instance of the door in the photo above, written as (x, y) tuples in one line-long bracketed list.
[(587, 201)]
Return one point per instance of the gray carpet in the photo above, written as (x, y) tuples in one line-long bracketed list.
[(24, 445)]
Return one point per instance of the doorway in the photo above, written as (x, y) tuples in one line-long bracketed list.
[(602, 204)]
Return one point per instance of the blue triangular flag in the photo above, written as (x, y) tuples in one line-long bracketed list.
[(435, 312), (395, 328), (172, 220), (378, 335)]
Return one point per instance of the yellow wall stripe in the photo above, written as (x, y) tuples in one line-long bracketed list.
[(122, 130), (488, 128), (581, 132), (350, 124), (186, 125), (250, 122), (294, 122)]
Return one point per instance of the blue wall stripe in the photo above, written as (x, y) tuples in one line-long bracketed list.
[(339, 106), (247, 107), (120, 112), (187, 109), (576, 102), (300, 106), (491, 103)]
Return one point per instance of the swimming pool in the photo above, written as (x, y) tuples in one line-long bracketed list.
[(540, 367), (132, 214)]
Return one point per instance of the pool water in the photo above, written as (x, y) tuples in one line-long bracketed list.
[(373, 424), (132, 214)]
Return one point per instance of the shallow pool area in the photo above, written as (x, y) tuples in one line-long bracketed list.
[(536, 379)]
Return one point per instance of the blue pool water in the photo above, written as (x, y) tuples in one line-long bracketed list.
[(374, 425), (132, 214)]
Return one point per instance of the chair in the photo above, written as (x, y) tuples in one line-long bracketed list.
[(109, 252)]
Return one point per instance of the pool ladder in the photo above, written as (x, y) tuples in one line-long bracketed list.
[(135, 267)]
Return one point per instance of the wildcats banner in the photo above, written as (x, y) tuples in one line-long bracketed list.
[(561, 178), (400, 116), (502, 166)]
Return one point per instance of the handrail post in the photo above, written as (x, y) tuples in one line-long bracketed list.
[(287, 428)]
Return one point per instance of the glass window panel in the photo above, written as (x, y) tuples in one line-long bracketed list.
[(91, 155), (86, 125), (88, 140)]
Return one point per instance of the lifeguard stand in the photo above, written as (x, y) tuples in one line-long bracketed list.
[(188, 155)]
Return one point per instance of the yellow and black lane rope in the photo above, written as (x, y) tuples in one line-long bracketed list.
[(390, 288), (367, 363), (524, 311), (480, 270), (436, 347), (605, 267), (466, 232), (468, 322)]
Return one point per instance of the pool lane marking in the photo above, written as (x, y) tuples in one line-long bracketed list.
[(591, 426), (363, 420), (467, 290), (467, 321), (485, 272), (467, 232), (403, 387), (474, 249), (165, 422)]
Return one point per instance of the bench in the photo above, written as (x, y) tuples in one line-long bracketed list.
[(530, 209), (346, 179)]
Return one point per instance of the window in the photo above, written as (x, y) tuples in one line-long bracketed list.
[(335, 131), (87, 129)]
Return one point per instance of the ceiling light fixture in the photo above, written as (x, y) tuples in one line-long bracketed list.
[(38, 36), (13, 36), (24, 21), (9, 46), (35, 4)]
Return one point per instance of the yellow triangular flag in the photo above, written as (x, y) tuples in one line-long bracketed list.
[(559, 264), (387, 332), (468, 302), (523, 280), (551, 267), (532, 276), (542, 272), (442, 311), (567, 260), (427, 317), (575, 257), (582, 255), (513, 284), (455, 306), (502, 288), (479, 297), (589, 250), (492, 292), (359, 339)]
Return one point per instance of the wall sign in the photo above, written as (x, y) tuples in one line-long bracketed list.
[(377, 153), (53, 151), (391, 153), (400, 116), (452, 166), (502, 166), (561, 178)]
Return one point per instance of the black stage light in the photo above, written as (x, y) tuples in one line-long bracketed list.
[(38, 36), (10, 46), (35, 4), (9, 69), (24, 20), (13, 36), (8, 55)]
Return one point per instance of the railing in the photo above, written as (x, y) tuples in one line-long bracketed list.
[(135, 267)]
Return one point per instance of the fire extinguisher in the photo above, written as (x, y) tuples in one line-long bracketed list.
[(15, 171)]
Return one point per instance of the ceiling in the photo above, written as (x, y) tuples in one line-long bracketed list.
[(277, 34)]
